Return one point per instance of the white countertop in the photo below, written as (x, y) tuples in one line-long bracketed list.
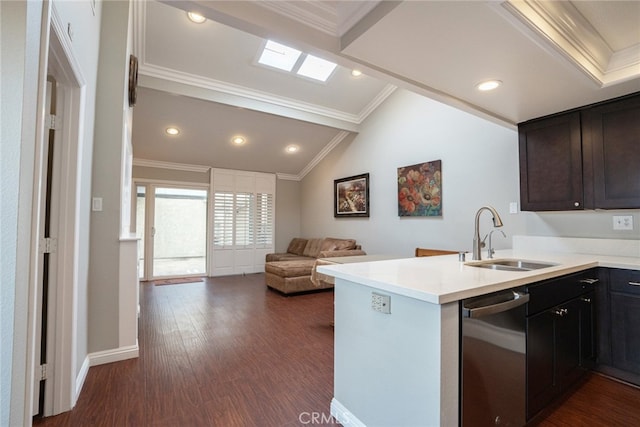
[(443, 279)]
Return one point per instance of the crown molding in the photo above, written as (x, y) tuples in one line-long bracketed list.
[(288, 177), (317, 159), (323, 153), (169, 165), (571, 35), (241, 91), (375, 102), (317, 15)]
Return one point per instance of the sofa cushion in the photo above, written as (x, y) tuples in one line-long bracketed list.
[(333, 244), (284, 257), (297, 246), (295, 268), (312, 248)]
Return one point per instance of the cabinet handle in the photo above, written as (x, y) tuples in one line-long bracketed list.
[(560, 312), (589, 281), (634, 283), (584, 299), (576, 204)]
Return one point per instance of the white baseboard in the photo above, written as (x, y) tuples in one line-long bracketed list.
[(113, 355), (82, 375), (343, 415)]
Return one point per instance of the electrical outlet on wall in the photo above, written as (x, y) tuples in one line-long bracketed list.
[(381, 303), (623, 222)]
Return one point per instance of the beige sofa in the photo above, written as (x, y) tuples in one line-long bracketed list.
[(290, 272)]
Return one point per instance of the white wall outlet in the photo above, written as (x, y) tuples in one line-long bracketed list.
[(513, 207), (381, 303), (623, 222)]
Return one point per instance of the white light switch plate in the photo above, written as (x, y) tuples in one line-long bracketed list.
[(96, 204)]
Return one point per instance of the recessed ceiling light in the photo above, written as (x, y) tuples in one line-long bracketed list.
[(292, 148), (172, 131), (238, 140), (488, 85), (196, 17), (356, 73)]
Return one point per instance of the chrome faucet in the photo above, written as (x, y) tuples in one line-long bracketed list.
[(477, 243), (490, 250)]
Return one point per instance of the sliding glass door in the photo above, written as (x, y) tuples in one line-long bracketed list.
[(172, 222)]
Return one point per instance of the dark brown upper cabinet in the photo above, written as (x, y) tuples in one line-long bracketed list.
[(587, 158)]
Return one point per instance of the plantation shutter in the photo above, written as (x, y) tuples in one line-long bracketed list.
[(243, 221), (223, 219), (264, 220)]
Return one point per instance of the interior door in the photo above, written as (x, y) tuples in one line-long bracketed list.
[(47, 245)]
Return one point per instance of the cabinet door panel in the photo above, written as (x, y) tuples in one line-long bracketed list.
[(567, 331), (550, 153), (625, 332), (588, 345), (540, 362), (613, 132)]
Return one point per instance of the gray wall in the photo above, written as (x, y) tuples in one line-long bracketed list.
[(86, 23), (479, 167), (111, 116), (287, 213), (163, 174)]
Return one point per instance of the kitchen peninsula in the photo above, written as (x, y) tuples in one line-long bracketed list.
[(402, 368)]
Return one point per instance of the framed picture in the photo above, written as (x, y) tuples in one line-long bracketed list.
[(351, 196), (420, 189)]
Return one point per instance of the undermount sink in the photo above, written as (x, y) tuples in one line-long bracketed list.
[(511, 265)]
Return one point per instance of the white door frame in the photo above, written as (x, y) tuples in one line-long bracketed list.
[(64, 380), (149, 219)]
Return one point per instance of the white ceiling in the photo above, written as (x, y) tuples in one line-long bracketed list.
[(551, 56)]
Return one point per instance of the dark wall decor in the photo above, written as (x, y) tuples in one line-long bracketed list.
[(133, 80), (420, 189), (351, 196)]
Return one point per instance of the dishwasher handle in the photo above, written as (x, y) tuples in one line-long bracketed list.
[(517, 300)]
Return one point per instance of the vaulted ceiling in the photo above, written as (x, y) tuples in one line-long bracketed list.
[(205, 80)]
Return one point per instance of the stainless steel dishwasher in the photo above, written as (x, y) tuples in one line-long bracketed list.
[(493, 359)]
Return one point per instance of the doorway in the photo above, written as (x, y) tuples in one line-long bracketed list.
[(171, 223)]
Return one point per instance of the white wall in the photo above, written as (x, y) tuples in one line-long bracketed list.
[(594, 224), (19, 69), (479, 167)]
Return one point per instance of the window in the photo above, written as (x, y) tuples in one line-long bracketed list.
[(287, 59)]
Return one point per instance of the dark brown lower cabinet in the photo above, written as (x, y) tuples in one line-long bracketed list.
[(561, 344), (621, 326)]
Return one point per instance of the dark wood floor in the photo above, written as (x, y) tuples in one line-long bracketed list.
[(229, 352)]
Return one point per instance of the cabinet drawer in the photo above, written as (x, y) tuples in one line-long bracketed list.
[(626, 281), (553, 292)]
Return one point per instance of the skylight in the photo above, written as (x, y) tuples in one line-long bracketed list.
[(286, 58), (279, 56), (316, 68)]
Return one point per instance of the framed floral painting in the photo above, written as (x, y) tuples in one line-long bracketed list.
[(420, 189), (351, 196)]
